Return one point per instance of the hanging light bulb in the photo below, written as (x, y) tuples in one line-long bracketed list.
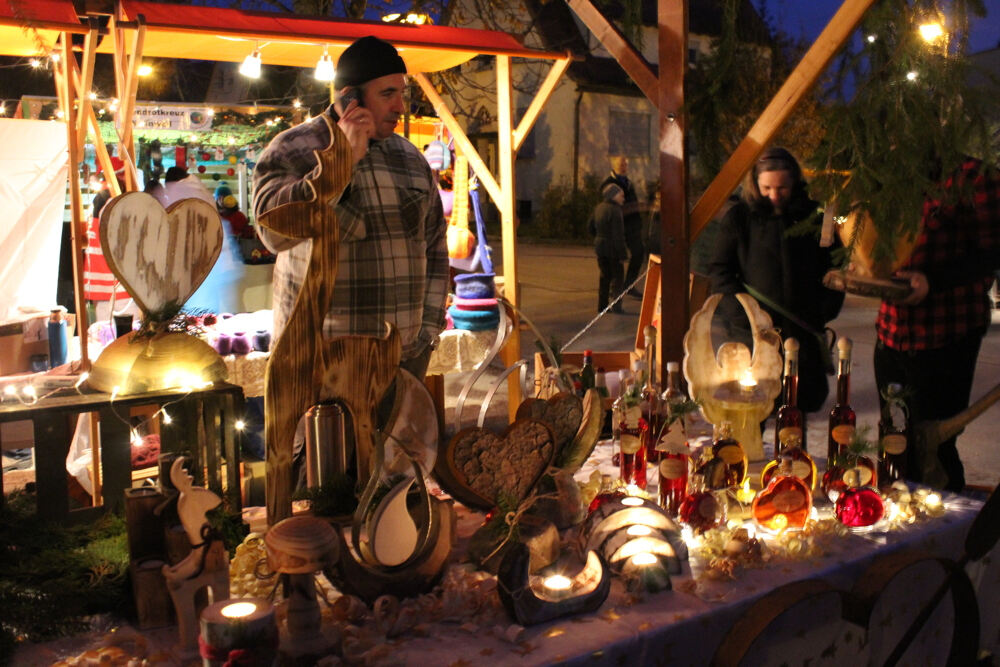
[(251, 65), (324, 68)]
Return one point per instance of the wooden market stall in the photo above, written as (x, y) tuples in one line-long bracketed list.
[(137, 29)]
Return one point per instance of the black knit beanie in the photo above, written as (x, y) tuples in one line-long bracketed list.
[(366, 59)]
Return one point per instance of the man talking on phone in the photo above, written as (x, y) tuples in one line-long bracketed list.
[(393, 255)]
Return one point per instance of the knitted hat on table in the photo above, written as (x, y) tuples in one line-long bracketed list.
[(475, 285)]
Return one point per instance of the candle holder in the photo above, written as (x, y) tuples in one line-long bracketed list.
[(239, 631)]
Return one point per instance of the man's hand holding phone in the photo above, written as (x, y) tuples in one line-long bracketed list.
[(355, 121)]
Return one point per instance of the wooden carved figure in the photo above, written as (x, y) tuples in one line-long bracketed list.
[(305, 369), (206, 567)]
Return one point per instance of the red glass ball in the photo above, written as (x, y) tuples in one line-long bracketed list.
[(858, 507), (201, 169), (230, 171)]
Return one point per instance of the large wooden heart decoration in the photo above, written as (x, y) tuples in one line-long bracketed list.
[(562, 412), (160, 255), (477, 465)]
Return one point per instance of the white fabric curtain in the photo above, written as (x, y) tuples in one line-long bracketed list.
[(33, 163)]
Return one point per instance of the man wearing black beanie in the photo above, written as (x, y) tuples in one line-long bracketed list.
[(393, 263)]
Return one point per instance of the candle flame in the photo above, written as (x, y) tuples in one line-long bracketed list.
[(238, 609), (558, 582), (644, 558)]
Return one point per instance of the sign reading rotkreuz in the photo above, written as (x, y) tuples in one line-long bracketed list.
[(156, 117)]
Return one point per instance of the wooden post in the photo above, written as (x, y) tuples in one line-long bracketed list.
[(541, 97), (799, 82), (675, 244), (511, 351)]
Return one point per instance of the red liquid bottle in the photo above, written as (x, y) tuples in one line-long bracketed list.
[(652, 405), (843, 421), (893, 437), (634, 441), (790, 422), (702, 509)]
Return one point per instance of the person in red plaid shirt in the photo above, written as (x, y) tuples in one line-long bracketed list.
[(929, 342)]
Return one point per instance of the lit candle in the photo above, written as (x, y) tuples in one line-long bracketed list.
[(557, 587), (747, 382), (645, 572), (245, 625)]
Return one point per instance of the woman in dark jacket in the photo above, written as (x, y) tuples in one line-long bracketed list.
[(755, 249)]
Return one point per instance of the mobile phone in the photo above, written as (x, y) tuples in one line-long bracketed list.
[(347, 95)]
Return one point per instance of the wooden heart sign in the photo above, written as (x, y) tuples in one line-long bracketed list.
[(562, 412), (160, 255), (478, 465)]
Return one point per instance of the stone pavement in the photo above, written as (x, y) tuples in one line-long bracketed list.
[(559, 294)]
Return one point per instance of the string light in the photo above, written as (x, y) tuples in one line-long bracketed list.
[(931, 32), (54, 56), (3, 109), (145, 70), (210, 111), (324, 68), (911, 76), (297, 103), (239, 425), (871, 39), (250, 67), (92, 96), (166, 417), (35, 62)]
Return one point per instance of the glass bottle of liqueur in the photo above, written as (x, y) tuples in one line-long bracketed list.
[(652, 406), (790, 422), (727, 449), (587, 373), (893, 437), (610, 490), (802, 466), (785, 504), (858, 506), (672, 447), (633, 439), (601, 385), (843, 421), (702, 508)]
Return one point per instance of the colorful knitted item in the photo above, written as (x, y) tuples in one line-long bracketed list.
[(475, 304), (474, 320), (475, 285)]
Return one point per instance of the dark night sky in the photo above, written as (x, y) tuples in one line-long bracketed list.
[(808, 18)]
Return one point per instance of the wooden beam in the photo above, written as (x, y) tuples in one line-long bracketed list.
[(464, 145), (85, 82), (511, 351), (127, 107), (672, 29), (78, 226), (614, 41), (541, 97), (799, 82)]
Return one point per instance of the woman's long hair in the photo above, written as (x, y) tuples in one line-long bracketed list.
[(773, 159)]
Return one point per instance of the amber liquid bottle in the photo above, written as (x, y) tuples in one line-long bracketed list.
[(893, 437), (728, 449), (785, 503), (843, 421), (790, 422)]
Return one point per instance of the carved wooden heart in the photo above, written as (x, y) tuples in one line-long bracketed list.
[(562, 412), (478, 465), (160, 255)]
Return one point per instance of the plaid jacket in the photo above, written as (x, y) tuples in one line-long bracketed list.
[(958, 249), (393, 253)]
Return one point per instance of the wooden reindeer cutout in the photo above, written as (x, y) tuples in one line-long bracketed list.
[(305, 369)]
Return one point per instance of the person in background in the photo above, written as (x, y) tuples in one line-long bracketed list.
[(178, 184), (608, 228), (100, 286), (758, 251), (633, 221), (929, 342), (221, 291)]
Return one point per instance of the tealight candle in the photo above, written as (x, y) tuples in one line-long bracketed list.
[(645, 571), (246, 626), (747, 382)]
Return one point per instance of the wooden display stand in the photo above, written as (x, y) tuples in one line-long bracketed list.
[(203, 427)]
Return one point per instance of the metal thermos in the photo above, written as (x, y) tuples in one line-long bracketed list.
[(329, 442)]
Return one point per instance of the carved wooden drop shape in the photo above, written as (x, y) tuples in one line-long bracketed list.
[(305, 369)]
